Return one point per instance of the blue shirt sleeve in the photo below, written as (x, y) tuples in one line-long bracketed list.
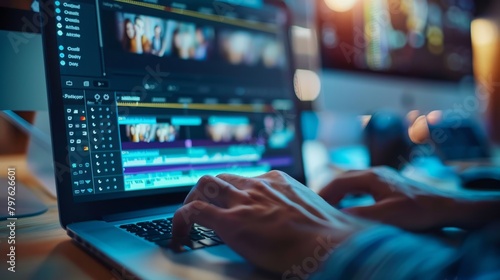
[(386, 252)]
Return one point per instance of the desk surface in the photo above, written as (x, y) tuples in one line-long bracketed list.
[(42, 246)]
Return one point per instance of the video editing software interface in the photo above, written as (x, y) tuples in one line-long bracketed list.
[(158, 95)]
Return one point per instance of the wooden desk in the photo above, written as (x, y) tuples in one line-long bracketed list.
[(43, 250)]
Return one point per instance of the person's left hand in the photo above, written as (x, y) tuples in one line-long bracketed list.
[(400, 201), (272, 220)]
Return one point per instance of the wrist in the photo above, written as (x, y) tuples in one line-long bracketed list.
[(472, 213), (450, 211)]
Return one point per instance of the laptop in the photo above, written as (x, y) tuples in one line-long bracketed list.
[(146, 97)]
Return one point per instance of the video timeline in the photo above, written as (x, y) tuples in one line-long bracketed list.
[(272, 130), (177, 150)]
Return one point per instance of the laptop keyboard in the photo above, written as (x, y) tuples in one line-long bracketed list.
[(160, 233)]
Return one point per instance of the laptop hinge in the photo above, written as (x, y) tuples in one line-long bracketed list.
[(141, 213)]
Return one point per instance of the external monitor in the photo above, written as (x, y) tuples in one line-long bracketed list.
[(22, 83), (397, 55)]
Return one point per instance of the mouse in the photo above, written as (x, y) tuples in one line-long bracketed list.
[(481, 178)]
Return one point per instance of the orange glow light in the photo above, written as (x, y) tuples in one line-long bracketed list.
[(340, 5)]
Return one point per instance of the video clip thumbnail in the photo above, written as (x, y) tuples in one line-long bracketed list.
[(161, 132), (140, 34), (248, 48)]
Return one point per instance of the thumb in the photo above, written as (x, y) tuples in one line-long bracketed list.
[(349, 183)]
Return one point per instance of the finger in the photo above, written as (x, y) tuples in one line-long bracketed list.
[(434, 117), (199, 212), (419, 130), (412, 116), (216, 191), (349, 183)]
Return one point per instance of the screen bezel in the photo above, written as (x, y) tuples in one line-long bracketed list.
[(71, 211)]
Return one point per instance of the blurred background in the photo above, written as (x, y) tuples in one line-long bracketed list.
[(393, 68)]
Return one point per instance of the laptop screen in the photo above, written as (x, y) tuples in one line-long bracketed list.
[(158, 93)]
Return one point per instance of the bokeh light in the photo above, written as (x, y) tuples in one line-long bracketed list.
[(483, 32), (307, 85), (340, 5)]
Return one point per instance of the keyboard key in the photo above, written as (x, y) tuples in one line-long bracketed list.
[(159, 237), (153, 238), (167, 235), (195, 245), (209, 234), (208, 242), (142, 224), (147, 233), (134, 230), (128, 226), (125, 226), (196, 237), (216, 238), (168, 245), (204, 229), (160, 232)]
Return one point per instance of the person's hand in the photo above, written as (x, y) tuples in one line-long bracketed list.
[(399, 201), (272, 220)]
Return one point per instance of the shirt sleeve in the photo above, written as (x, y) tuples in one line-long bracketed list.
[(386, 252)]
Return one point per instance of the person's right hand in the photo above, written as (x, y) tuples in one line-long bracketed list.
[(271, 220), (399, 201)]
